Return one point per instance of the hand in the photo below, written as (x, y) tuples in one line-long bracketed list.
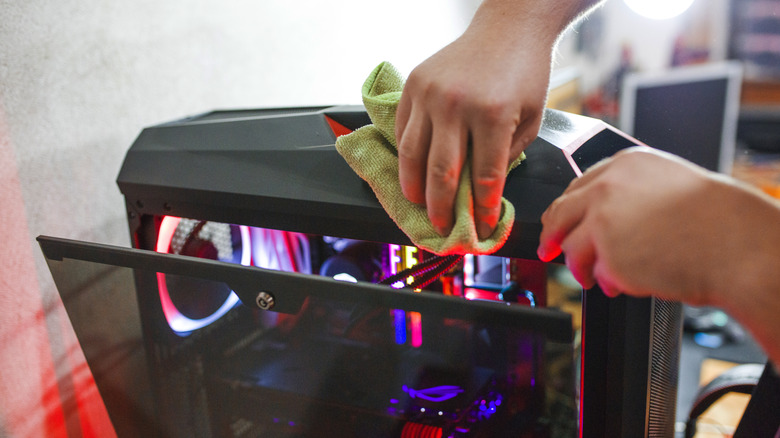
[(647, 223), (486, 90)]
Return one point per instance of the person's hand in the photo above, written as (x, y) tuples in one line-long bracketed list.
[(487, 89), (648, 223)]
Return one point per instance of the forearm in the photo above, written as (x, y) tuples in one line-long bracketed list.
[(751, 285), (513, 20), (761, 317), (758, 310)]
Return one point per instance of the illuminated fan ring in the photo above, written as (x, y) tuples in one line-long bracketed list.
[(179, 323)]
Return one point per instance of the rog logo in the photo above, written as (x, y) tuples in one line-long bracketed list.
[(435, 393)]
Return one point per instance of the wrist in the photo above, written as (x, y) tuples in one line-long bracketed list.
[(755, 301), (752, 248), (516, 23)]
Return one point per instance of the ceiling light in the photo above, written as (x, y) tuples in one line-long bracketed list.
[(659, 9)]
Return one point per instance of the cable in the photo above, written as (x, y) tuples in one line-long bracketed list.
[(423, 273), (430, 276)]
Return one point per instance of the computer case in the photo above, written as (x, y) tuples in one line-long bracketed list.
[(277, 169)]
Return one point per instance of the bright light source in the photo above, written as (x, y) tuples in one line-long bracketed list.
[(659, 9), (345, 277)]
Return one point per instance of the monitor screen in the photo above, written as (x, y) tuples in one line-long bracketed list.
[(688, 111)]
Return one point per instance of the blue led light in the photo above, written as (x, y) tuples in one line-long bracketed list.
[(708, 340), (399, 321)]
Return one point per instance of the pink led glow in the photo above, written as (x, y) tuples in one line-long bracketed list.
[(179, 323), (479, 294), (415, 325), (404, 257)]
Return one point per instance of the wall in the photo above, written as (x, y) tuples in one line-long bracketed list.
[(79, 79), (704, 24)]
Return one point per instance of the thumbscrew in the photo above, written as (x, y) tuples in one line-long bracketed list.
[(265, 301)]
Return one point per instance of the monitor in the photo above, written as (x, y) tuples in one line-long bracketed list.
[(689, 111)]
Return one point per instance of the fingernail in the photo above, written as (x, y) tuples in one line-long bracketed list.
[(547, 253), (441, 231), (484, 230), (608, 290)]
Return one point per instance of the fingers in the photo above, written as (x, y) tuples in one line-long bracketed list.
[(414, 142), (525, 133), (570, 227), (605, 282), (590, 174), (567, 230), (580, 257), (402, 114), (490, 155), (558, 221), (594, 171), (498, 140), (445, 161), (431, 155), (433, 138)]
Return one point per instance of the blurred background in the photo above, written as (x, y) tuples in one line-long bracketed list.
[(80, 79)]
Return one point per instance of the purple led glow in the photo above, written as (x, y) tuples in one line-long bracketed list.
[(434, 394), (487, 407)]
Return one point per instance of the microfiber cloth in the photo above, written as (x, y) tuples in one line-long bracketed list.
[(372, 152)]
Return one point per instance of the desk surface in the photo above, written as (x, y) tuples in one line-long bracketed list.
[(759, 169)]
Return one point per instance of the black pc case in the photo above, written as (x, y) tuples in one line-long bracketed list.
[(303, 355)]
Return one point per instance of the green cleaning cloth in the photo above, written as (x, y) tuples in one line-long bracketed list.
[(372, 153)]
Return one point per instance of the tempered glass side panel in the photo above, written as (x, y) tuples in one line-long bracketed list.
[(101, 303), (341, 359)]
